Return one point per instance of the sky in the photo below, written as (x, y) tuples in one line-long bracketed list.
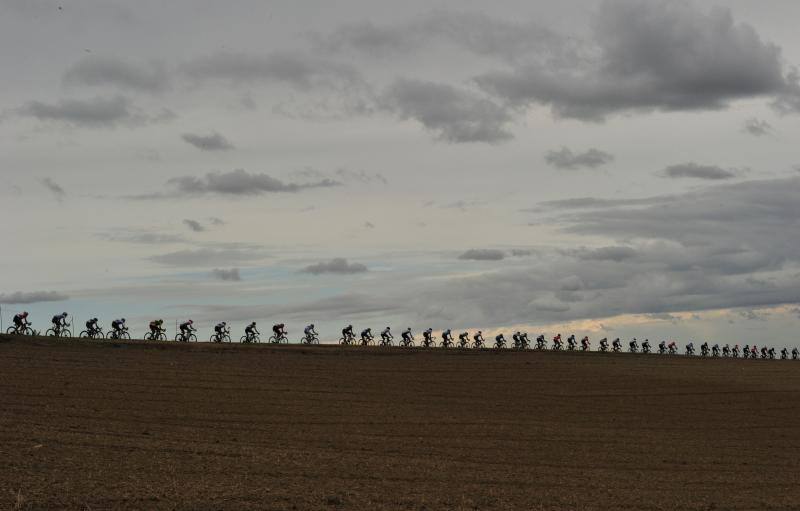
[(619, 168)]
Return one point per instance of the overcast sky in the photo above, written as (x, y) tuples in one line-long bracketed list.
[(614, 168)]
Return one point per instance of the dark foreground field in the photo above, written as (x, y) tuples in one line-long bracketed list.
[(90, 425)]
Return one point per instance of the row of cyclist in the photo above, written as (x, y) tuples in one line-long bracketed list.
[(519, 340)]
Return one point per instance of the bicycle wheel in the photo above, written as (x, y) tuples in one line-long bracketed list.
[(66, 333), (125, 335), (83, 335), (178, 338), (11, 330), (51, 333), (111, 335), (192, 338), (226, 338), (273, 339)]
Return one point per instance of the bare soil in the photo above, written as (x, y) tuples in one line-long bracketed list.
[(134, 425)]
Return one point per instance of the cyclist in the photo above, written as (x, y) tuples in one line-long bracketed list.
[(763, 352), (662, 347), (585, 343), (463, 339), (617, 344), (735, 351), (754, 352), (21, 321), (784, 354), (746, 351), (408, 337), (715, 350), (118, 325), (672, 347), (250, 331), (523, 340), (447, 338), (604, 344), (311, 334), (347, 333), (557, 342), (366, 336), (571, 342), (478, 339), (187, 328), (541, 343), (156, 327), (279, 331), (704, 349), (220, 331), (427, 335), (795, 354), (91, 327), (60, 321), (386, 335), (690, 348), (726, 350), (499, 341), (633, 345)]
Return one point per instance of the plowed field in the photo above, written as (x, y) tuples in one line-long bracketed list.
[(104, 425)]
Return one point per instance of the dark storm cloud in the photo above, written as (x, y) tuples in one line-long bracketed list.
[(566, 159), (54, 188), (194, 225), (211, 142), (665, 55), (695, 171), (336, 265), (92, 113), (240, 182), (228, 275), (208, 257), (453, 115), (757, 127), (110, 71), (299, 70), (21, 297), (482, 254)]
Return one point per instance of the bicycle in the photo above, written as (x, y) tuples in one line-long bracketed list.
[(223, 336), (368, 341), (59, 331), (186, 337), (158, 335), (121, 335), (429, 342), (22, 330), (253, 338), (309, 339), (404, 343), (347, 340), (463, 343), (447, 342), (279, 339), (97, 333), (477, 344)]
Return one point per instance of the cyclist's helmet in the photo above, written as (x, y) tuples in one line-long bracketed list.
[(122, 320), (95, 319), (25, 314), (64, 314), (254, 323), (311, 325), (190, 321), (224, 323)]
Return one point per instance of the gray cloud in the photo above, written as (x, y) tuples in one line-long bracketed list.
[(483, 254), (475, 32), (617, 254), (21, 297), (140, 236), (695, 171), (216, 221), (194, 225), (566, 159), (208, 257), (54, 188), (597, 203), (519, 252), (299, 70), (757, 127), (109, 71), (240, 182), (336, 265), (92, 113), (653, 56), (453, 115), (228, 275), (211, 142)]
